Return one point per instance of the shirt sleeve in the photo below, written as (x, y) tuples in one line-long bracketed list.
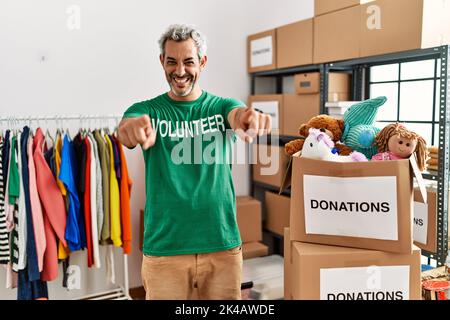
[(228, 105), (136, 110)]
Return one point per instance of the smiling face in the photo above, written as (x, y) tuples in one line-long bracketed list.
[(402, 147), (182, 67)]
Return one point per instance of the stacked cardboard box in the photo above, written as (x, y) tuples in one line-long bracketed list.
[(348, 29), (347, 240), (270, 164), (425, 219), (248, 214)]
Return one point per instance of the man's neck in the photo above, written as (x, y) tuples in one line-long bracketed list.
[(194, 95)]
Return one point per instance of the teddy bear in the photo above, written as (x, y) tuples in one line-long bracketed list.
[(331, 126)]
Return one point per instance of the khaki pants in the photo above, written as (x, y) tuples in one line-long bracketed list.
[(206, 276)]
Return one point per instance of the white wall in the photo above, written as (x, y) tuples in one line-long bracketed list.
[(112, 62)]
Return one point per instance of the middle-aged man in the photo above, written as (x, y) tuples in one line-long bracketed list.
[(192, 247)]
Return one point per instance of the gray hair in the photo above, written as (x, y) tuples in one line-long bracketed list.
[(182, 32)]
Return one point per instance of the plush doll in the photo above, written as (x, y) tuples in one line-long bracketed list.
[(331, 126), (396, 142), (359, 132), (318, 145)]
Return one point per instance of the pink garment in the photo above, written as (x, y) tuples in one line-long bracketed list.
[(386, 156), (53, 208), (36, 209), (50, 271)]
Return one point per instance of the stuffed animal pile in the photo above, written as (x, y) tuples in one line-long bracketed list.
[(355, 138)]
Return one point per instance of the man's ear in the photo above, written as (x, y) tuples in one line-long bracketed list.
[(203, 62), (161, 59)]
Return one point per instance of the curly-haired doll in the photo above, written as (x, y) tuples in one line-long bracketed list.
[(396, 142)]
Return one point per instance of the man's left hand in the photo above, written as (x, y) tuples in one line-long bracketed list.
[(249, 123)]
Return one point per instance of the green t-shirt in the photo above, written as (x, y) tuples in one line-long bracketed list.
[(190, 198)]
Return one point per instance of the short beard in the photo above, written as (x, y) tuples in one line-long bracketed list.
[(184, 94)]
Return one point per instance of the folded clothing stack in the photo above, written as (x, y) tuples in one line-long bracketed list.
[(433, 158)]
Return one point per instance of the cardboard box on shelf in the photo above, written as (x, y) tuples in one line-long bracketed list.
[(298, 109), (341, 204), (327, 6), (269, 164), (424, 223), (254, 249), (287, 264), (337, 36), (423, 24), (277, 212), (261, 51), (425, 220), (271, 104), (322, 272), (295, 44), (248, 215), (338, 84)]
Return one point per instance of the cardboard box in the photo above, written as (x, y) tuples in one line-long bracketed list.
[(248, 215), (339, 273), (271, 104), (327, 6), (269, 164), (338, 84), (356, 204), (424, 221), (287, 265), (295, 44), (298, 109), (254, 249), (288, 111), (277, 212), (261, 51), (337, 36), (392, 26)]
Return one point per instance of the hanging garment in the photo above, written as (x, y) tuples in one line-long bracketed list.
[(80, 157), (22, 214), (4, 234), (13, 203), (98, 185), (67, 174), (30, 285), (32, 259), (87, 204), (36, 209), (110, 268), (125, 194), (63, 252), (105, 234), (116, 157), (55, 216), (94, 202), (116, 234), (5, 156)]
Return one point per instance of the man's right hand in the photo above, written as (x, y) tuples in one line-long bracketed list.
[(133, 131)]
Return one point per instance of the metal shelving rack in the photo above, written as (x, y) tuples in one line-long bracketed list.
[(360, 70)]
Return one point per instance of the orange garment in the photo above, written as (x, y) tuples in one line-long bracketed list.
[(125, 193), (63, 252)]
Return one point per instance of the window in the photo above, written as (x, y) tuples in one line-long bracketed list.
[(412, 90)]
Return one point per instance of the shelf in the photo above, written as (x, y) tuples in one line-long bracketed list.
[(405, 56), (287, 71)]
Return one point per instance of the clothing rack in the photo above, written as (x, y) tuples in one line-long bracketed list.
[(122, 292)]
